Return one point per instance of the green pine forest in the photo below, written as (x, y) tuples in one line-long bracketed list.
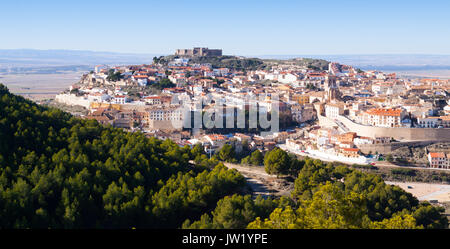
[(62, 172)]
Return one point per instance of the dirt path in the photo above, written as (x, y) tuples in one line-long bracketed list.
[(261, 182)]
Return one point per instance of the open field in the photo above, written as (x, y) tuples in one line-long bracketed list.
[(443, 73), (39, 86), (426, 191)]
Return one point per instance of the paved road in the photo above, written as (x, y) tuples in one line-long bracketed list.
[(377, 163)]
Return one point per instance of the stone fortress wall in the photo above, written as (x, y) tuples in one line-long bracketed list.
[(389, 147), (398, 133)]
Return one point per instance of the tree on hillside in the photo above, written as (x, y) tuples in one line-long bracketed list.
[(197, 150), (59, 171), (257, 158), (227, 153), (430, 217), (236, 212), (331, 208), (163, 83), (295, 166), (113, 75), (277, 162)]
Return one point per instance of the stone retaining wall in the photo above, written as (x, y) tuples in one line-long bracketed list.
[(400, 134)]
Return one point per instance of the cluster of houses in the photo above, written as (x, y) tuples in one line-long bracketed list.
[(330, 140), (116, 95), (214, 142)]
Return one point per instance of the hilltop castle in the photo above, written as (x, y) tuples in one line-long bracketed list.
[(199, 52)]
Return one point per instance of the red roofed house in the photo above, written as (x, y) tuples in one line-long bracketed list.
[(384, 117), (120, 99), (439, 160), (349, 152), (153, 100)]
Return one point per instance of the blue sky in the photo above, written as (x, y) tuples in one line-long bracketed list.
[(245, 27)]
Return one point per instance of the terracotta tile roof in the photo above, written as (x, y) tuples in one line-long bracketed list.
[(350, 149), (384, 112), (140, 76), (437, 155), (215, 137), (152, 97)]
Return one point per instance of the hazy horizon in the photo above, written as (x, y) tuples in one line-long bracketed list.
[(33, 58), (243, 54), (252, 27)]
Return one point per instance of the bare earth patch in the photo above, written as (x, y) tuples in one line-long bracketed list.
[(39, 86), (261, 182), (426, 191)]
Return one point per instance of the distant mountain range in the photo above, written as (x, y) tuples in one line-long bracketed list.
[(38, 61), (45, 61)]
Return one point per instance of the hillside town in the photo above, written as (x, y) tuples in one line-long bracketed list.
[(339, 113)]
